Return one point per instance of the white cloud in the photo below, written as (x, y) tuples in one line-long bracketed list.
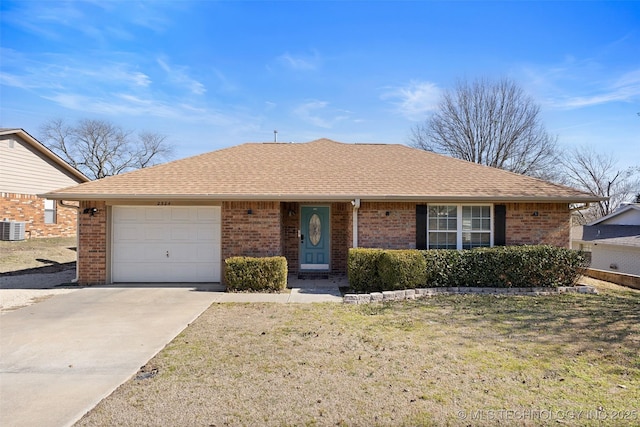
[(626, 88), (579, 84), (300, 62), (415, 100), (179, 76), (125, 104), (57, 72), (317, 114)]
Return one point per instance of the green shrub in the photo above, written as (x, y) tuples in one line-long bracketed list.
[(544, 266), (402, 269), (506, 266), (442, 267), (267, 274), (362, 270)]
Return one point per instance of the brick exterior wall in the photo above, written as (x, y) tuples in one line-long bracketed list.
[(341, 232), (29, 208), (258, 234), (272, 229), (397, 230), (551, 225), (92, 244), (290, 240)]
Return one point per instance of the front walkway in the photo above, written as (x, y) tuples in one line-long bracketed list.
[(299, 291)]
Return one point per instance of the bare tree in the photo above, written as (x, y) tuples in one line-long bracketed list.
[(493, 123), (99, 148), (599, 174)]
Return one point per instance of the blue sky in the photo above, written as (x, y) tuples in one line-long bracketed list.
[(212, 74)]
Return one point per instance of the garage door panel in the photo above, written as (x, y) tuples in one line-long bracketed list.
[(208, 234), (157, 233), (182, 232), (128, 233), (154, 214), (142, 237), (127, 214), (208, 215), (138, 252), (182, 215)]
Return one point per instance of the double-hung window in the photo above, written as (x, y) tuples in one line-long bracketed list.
[(49, 211), (459, 226)]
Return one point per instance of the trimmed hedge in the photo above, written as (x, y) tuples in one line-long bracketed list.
[(506, 266), (402, 269), (256, 274), (362, 269)]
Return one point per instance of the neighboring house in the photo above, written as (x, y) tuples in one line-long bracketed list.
[(613, 241), (28, 168), (310, 202)]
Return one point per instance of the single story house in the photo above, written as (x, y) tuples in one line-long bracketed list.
[(613, 241), (310, 202), (28, 168)]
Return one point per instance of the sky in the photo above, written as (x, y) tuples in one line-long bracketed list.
[(213, 74)]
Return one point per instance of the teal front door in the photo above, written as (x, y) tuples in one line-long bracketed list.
[(314, 238)]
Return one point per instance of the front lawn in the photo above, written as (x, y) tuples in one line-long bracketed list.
[(468, 360)]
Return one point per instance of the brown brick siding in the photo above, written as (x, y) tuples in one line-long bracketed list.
[(257, 234), (271, 230), (340, 236), (92, 244), (290, 241), (551, 225), (29, 208), (397, 230)]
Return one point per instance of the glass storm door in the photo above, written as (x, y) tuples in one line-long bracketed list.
[(314, 238)]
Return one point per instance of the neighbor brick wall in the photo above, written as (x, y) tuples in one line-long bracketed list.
[(257, 234), (29, 208), (397, 230), (551, 226), (92, 244)]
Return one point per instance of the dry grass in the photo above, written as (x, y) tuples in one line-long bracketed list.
[(449, 360), (37, 255)]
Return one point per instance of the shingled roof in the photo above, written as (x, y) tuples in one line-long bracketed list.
[(322, 170)]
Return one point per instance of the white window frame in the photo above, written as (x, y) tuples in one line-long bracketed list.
[(459, 231), (50, 206)]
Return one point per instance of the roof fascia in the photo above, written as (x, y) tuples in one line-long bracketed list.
[(315, 197)]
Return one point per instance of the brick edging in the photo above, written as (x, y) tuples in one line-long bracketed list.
[(410, 294)]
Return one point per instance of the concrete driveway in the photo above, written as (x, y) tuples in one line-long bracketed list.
[(60, 357)]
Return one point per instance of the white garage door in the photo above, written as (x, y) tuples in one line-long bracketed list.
[(166, 244)]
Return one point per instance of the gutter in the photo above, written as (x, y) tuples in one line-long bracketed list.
[(319, 197)]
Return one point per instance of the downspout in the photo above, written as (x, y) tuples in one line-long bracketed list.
[(356, 206), (77, 208)]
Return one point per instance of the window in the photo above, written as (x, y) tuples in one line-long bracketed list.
[(442, 227), (476, 226), (459, 226), (49, 211)]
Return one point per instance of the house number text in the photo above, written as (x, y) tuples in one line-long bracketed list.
[(163, 204)]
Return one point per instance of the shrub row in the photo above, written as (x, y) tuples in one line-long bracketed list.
[(376, 270), (256, 274)]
